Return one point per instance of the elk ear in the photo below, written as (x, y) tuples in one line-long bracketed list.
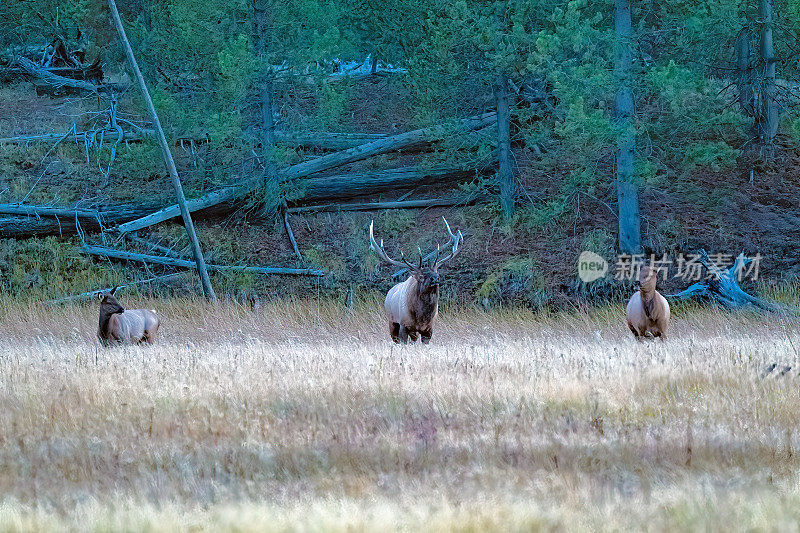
[(114, 290)]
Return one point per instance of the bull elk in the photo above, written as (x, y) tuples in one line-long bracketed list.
[(648, 310), (120, 326), (412, 306)]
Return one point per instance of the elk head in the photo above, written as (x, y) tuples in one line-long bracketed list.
[(109, 304)]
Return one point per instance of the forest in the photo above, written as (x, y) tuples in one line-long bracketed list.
[(659, 128), (225, 224)]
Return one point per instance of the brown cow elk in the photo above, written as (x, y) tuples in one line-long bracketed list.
[(648, 310), (120, 326), (412, 306)]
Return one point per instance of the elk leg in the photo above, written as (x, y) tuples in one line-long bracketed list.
[(635, 332), (412, 334), (394, 331), (425, 336), (403, 334)]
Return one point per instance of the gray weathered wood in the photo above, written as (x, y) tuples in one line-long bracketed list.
[(184, 263), (204, 202), (347, 186), (28, 221), (61, 220), (208, 290), (505, 172), (153, 246), (47, 211), (53, 80), (290, 233), (403, 204), (319, 164), (723, 287), (385, 145), (78, 136)]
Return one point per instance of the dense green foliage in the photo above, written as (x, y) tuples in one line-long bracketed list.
[(205, 63)]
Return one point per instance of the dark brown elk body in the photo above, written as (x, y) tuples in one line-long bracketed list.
[(648, 310), (120, 326), (412, 306)]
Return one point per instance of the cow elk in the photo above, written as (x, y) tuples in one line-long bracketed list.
[(648, 310), (120, 326), (412, 306)]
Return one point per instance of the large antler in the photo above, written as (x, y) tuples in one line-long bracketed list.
[(455, 240), (378, 249)]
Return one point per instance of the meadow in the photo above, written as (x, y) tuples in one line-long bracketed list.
[(305, 417)]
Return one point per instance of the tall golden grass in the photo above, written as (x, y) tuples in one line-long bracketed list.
[(306, 417)]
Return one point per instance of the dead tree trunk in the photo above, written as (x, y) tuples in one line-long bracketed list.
[(319, 164), (51, 79), (381, 146), (30, 221), (505, 172), (722, 286), (627, 192), (768, 115), (208, 290), (399, 204), (272, 191), (348, 186), (183, 263)]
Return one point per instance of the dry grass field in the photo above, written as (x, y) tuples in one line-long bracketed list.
[(305, 417)]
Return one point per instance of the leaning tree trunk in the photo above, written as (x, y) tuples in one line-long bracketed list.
[(200, 263), (402, 141), (505, 173), (628, 196), (768, 116)]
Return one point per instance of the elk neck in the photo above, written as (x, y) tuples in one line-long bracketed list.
[(423, 304), (647, 294), (105, 318)]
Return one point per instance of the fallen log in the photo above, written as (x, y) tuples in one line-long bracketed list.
[(184, 263), (401, 204), (213, 199), (31, 220), (381, 146), (319, 164), (46, 77), (56, 57), (79, 136), (325, 140), (62, 220), (47, 211), (51, 221), (347, 186), (722, 286)]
